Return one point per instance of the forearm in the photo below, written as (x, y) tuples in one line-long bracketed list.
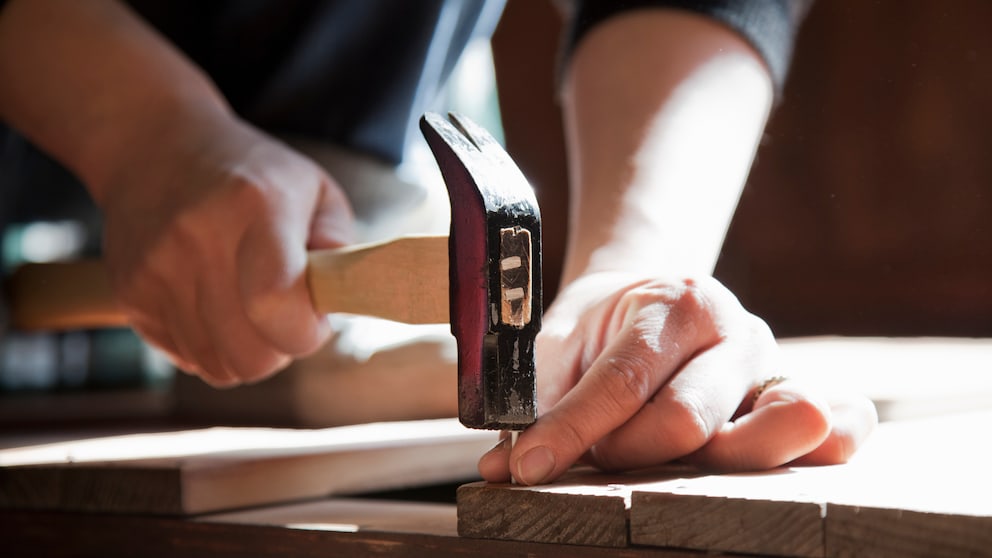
[(87, 81), (663, 113)]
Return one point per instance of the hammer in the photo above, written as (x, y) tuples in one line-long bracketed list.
[(490, 262)]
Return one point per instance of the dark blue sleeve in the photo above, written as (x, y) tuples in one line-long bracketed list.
[(351, 72), (769, 25)]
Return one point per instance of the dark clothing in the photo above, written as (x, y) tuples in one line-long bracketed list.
[(769, 25), (354, 73), (357, 73)]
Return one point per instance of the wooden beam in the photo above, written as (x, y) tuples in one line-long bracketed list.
[(197, 471)]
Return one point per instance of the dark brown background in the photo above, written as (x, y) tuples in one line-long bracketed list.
[(868, 209)]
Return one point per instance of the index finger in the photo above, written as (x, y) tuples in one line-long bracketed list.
[(656, 340)]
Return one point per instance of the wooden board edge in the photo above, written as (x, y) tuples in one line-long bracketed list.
[(250, 483), (92, 487), (530, 514), (871, 531), (710, 523)]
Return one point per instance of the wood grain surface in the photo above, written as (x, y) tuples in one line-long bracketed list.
[(869, 531), (768, 513), (197, 471), (748, 525), (591, 511), (918, 487), (404, 279)]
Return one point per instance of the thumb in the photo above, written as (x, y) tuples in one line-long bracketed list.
[(333, 223)]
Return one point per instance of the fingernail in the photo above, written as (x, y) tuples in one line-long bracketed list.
[(781, 396), (535, 466)]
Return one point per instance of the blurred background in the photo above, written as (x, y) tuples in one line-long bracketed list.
[(869, 208), (867, 211)]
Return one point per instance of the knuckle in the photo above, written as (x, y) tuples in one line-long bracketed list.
[(628, 377), (257, 366), (603, 456), (695, 304), (686, 303), (814, 418), (573, 438), (240, 189), (843, 447), (216, 378), (686, 428), (184, 230), (220, 382), (287, 326), (760, 330)]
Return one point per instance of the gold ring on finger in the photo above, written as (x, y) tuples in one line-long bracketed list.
[(765, 385)]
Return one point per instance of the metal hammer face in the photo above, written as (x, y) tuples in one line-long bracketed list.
[(494, 254)]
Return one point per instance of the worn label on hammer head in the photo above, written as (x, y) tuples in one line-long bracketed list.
[(515, 276)]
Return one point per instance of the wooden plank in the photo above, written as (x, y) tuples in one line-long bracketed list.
[(898, 374), (349, 515), (767, 514), (197, 471), (713, 523), (339, 528), (590, 510), (867, 531), (900, 487), (920, 489)]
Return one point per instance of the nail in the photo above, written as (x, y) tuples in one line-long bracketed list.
[(535, 466), (500, 445)]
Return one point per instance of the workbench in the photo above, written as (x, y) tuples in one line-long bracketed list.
[(339, 528), (918, 488)]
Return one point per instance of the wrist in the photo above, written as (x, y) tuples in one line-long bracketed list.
[(139, 142), (659, 157), (646, 250), (84, 80)]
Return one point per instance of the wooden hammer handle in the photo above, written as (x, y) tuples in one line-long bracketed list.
[(405, 279)]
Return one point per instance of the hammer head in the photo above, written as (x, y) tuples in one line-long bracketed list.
[(494, 254)]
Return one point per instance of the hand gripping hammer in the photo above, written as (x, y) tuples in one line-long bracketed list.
[(491, 263)]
